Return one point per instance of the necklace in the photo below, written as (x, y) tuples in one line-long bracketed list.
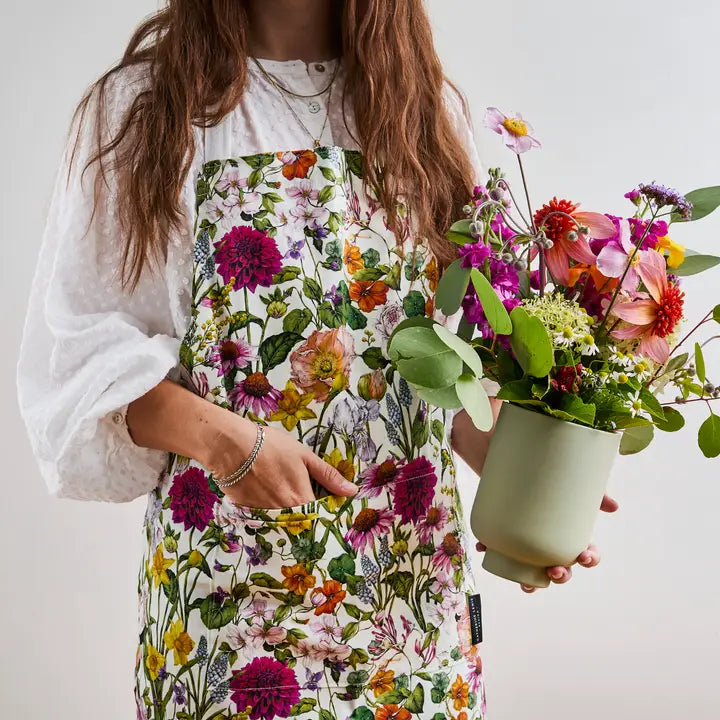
[(281, 87), (316, 140)]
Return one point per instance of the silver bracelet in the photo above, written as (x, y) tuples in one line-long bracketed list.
[(244, 469)]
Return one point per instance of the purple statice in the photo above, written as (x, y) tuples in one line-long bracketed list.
[(660, 196)]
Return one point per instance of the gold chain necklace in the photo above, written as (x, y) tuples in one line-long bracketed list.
[(282, 88)]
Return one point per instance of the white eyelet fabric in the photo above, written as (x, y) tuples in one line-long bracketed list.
[(88, 348)]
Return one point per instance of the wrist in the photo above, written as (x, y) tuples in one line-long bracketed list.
[(226, 440)]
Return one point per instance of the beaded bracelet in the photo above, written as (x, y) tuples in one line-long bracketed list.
[(244, 469)]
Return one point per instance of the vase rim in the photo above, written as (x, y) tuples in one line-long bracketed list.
[(519, 406)]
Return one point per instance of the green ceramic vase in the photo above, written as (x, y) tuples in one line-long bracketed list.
[(540, 492)]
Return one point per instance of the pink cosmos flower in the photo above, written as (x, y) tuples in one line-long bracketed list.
[(516, 132), (652, 318), (258, 634), (304, 192), (230, 354)]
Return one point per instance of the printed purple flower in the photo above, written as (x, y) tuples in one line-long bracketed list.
[(267, 686), (368, 524), (333, 296), (250, 256), (191, 499), (256, 394), (295, 246), (516, 132), (413, 492), (229, 354)]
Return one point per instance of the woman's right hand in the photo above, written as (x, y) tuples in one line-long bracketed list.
[(280, 475)]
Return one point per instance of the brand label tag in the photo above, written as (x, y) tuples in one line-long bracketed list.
[(475, 611)]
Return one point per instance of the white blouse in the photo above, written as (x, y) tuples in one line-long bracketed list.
[(88, 348)]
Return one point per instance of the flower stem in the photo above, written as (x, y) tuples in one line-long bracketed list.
[(542, 275)]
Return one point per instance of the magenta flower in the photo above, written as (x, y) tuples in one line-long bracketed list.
[(250, 256), (449, 554), (230, 354), (191, 499), (431, 522), (375, 478), (615, 256), (267, 686), (413, 493), (516, 132), (368, 524), (256, 394)]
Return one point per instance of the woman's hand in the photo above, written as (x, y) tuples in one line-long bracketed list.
[(587, 558), (280, 475)]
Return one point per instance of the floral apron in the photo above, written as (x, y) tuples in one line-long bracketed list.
[(343, 607)]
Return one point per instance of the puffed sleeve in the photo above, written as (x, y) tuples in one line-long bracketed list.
[(88, 347), (466, 135)]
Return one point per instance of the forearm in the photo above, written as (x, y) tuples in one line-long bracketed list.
[(470, 443), (172, 418)]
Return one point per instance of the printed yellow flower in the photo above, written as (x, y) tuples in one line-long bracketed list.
[(295, 523), (353, 258), (297, 579), (459, 693), (382, 682), (292, 407), (158, 568), (676, 251), (179, 642), (432, 274), (154, 661), (343, 466), (195, 558)]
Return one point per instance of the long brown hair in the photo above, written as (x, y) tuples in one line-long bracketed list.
[(196, 52)]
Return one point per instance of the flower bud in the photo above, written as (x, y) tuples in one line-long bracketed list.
[(520, 265), (709, 388), (507, 258), (467, 209), (477, 229), (400, 547), (277, 309), (548, 243), (572, 236), (170, 543), (195, 558), (498, 194), (372, 386)]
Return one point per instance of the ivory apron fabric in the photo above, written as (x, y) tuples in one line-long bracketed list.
[(342, 607)]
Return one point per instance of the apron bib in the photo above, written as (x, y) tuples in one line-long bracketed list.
[(342, 607)]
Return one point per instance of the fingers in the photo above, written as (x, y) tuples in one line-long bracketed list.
[(480, 547), (589, 557), (609, 504), (328, 476), (559, 574)]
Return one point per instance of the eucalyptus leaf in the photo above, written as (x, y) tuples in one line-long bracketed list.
[(432, 371), (475, 401), (699, 363), (695, 263), (709, 437), (495, 312), (459, 233), (673, 421), (444, 397), (465, 351), (636, 439), (415, 342), (531, 343), (452, 288), (704, 200), (420, 321)]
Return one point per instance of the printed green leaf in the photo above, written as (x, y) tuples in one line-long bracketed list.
[(326, 194), (214, 615), (289, 272), (416, 701), (452, 288), (673, 421), (297, 320), (275, 349), (374, 358), (328, 173), (695, 263), (699, 363), (709, 437), (368, 273), (475, 401), (704, 200), (465, 351), (414, 304), (432, 371), (312, 289), (495, 312), (636, 439), (531, 343), (443, 397)]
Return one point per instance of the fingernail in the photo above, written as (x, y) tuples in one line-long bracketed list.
[(557, 574), (350, 487)]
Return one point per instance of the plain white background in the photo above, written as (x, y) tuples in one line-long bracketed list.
[(619, 92)]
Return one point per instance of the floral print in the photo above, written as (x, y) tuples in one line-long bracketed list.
[(342, 607)]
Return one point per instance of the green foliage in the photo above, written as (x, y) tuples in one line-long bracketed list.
[(699, 363), (636, 439), (530, 343), (452, 288), (495, 312), (709, 436), (695, 263), (704, 200), (475, 401)]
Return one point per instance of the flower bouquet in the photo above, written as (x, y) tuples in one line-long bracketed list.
[(577, 317)]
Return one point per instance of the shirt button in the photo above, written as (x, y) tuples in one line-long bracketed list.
[(319, 67), (117, 418)]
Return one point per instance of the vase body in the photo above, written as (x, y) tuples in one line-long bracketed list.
[(540, 492)]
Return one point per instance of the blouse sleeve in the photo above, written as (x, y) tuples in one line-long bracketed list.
[(88, 347), (465, 132)]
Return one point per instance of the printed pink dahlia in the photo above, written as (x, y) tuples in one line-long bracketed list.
[(413, 493), (269, 687), (229, 354), (369, 524), (250, 256), (191, 500), (256, 394)]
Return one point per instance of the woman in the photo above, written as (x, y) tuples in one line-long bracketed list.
[(253, 199)]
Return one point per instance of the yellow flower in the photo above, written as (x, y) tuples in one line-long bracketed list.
[(676, 251), (295, 523), (154, 661), (343, 466), (179, 642), (459, 693), (195, 558), (293, 407), (158, 568), (297, 579), (383, 681)]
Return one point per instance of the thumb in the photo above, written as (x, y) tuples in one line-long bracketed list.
[(328, 476)]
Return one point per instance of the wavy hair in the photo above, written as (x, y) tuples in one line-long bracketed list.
[(196, 54)]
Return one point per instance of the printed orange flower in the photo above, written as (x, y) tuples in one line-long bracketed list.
[(323, 362), (383, 681), (297, 579), (326, 598), (392, 712), (368, 294), (353, 258), (459, 693), (430, 306), (292, 407), (297, 164), (432, 274)]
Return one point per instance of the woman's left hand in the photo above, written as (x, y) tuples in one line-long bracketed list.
[(587, 558)]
